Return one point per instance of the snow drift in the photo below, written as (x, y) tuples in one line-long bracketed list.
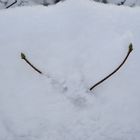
[(75, 44)]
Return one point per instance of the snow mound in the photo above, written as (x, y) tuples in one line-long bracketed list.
[(74, 44)]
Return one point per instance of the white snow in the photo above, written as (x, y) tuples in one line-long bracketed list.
[(74, 44)]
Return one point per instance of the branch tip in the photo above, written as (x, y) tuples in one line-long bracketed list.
[(130, 47), (23, 56)]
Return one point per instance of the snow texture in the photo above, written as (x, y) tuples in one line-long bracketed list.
[(6, 3), (74, 44)]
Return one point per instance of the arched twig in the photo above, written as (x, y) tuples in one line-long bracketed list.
[(129, 51), (26, 60)]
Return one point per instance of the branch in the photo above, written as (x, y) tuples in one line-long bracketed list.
[(11, 4), (130, 49), (26, 60)]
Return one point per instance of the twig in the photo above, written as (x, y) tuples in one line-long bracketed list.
[(11, 4), (122, 3), (129, 51), (24, 58)]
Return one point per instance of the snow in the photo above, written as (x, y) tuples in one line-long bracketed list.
[(6, 3), (74, 44), (125, 2)]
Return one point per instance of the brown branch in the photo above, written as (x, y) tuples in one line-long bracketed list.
[(129, 51), (26, 60)]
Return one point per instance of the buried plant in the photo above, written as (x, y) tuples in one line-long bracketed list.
[(23, 56), (130, 48)]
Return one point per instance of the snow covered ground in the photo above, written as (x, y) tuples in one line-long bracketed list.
[(15, 3), (74, 44), (124, 2)]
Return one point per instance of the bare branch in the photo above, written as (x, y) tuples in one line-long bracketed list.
[(11, 4), (130, 48), (26, 60)]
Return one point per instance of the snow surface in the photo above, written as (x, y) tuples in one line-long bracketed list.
[(125, 2), (6, 3), (75, 44)]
